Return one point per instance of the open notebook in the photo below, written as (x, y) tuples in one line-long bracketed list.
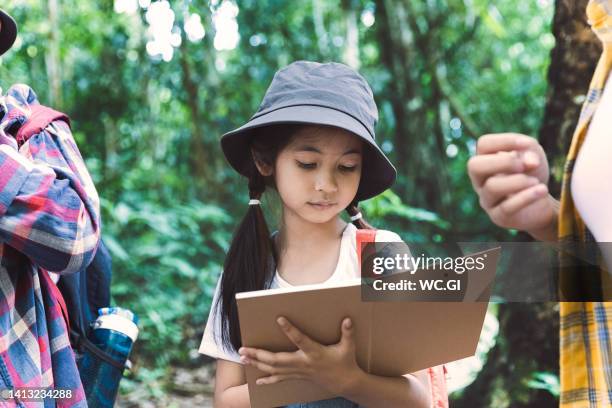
[(392, 338)]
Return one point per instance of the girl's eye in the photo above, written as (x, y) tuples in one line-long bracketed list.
[(348, 168), (306, 165)]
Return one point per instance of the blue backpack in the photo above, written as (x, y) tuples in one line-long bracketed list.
[(84, 292)]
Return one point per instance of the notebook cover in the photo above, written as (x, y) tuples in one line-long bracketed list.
[(386, 333)]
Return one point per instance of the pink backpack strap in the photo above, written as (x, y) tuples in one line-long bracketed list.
[(437, 380), (40, 117), (437, 374), (364, 235)]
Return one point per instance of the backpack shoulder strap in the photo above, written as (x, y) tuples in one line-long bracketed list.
[(40, 117), (437, 374), (364, 236), (437, 380)]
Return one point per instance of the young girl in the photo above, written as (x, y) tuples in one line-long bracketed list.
[(312, 140)]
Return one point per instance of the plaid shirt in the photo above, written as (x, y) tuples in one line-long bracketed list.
[(585, 349), (49, 221)]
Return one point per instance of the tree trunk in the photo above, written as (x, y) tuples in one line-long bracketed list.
[(529, 334), (413, 145), (198, 156), (321, 32), (411, 54), (52, 58), (351, 50), (524, 346), (572, 64), (202, 162)]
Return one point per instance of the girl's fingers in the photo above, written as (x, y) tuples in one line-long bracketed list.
[(518, 201), (346, 328), (267, 368), (269, 358), (302, 341), (482, 167), (273, 379), (496, 188)]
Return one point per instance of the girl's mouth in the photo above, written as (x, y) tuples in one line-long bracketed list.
[(322, 206)]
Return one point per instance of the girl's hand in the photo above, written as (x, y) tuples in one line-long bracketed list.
[(332, 367)]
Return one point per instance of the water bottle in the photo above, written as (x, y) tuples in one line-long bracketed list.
[(114, 332)]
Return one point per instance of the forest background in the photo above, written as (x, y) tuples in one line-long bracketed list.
[(151, 85)]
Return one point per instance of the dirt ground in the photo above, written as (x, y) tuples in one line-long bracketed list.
[(190, 388)]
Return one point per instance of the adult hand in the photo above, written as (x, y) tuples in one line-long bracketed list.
[(332, 367), (510, 175)]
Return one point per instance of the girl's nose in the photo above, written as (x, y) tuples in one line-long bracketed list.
[(326, 182)]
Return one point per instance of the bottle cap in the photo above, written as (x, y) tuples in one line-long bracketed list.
[(117, 323), (128, 314), (118, 319)]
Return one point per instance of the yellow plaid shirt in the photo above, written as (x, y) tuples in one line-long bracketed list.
[(586, 352)]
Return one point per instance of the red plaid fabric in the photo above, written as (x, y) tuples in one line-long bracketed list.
[(49, 221)]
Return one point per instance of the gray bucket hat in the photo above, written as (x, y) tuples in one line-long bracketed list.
[(8, 31), (330, 94)]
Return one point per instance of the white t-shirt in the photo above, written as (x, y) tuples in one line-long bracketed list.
[(347, 268), (591, 185)]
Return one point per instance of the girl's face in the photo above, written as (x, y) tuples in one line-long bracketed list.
[(317, 174)]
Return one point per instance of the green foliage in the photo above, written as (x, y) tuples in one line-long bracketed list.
[(166, 270), (545, 381), (389, 204), (149, 128)]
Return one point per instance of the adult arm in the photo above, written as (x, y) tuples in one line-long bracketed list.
[(49, 207)]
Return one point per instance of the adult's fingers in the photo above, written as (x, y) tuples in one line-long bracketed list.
[(497, 188), (482, 167), (503, 142), (518, 201)]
